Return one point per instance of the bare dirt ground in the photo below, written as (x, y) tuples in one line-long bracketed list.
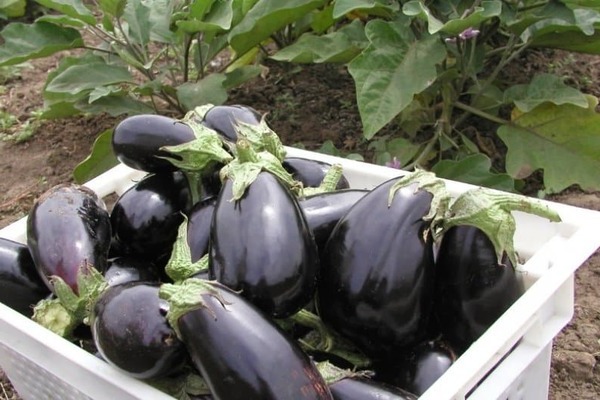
[(308, 105)]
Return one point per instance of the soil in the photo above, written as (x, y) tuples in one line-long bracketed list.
[(307, 105)]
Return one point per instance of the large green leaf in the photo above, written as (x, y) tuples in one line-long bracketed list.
[(544, 88), (86, 77), (382, 8), (559, 19), (562, 140), (114, 8), (267, 17), (474, 169), (100, 160), (161, 12), (51, 98), (72, 8), (23, 42), (391, 70), (241, 75), (338, 46), (573, 40), (12, 8), (137, 16), (115, 105), (208, 90), (218, 18)]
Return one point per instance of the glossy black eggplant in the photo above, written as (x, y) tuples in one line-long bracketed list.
[(145, 218), (377, 275), (131, 332), (366, 389), (130, 269), (261, 245), (472, 289), (310, 172), (323, 211), (21, 286), (419, 368), (222, 119), (199, 223), (136, 141), (240, 352), (68, 229)]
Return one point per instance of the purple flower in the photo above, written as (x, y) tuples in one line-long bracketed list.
[(393, 164), (468, 33)]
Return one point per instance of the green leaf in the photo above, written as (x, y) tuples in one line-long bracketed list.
[(389, 72), (137, 16), (72, 8), (50, 98), (59, 110), (575, 41), (61, 19), (103, 91), (24, 42), (12, 8), (208, 90), (382, 8), (240, 75), (562, 140), (562, 19), (544, 88), (79, 78), (267, 17), (218, 19), (161, 12), (115, 106), (474, 169), (416, 8), (100, 160), (114, 8), (339, 46)]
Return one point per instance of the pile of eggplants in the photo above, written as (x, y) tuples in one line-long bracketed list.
[(231, 262)]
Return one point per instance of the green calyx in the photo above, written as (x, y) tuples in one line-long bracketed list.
[(64, 313), (261, 137), (186, 296), (329, 183), (485, 209), (332, 374), (180, 265)]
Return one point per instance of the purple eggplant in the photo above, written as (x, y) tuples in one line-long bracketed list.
[(324, 210), (21, 287), (366, 389), (131, 332), (310, 172), (137, 141), (68, 230), (222, 119), (472, 289), (145, 218), (261, 245), (377, 275), (130, 269), (199, 223), (240, 352)]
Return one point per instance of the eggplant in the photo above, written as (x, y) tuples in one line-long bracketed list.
[(240, 352), (137, 141), (261, 245), (377, 275), (68, 230), (222, 119), (20, 284), (310, 172), (131, 332), (129, 269), (146, 217), (472, 290), (419, 368), (366, 389), (324, 210), (199, 223)]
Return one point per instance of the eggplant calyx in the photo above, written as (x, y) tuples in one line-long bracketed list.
[(198, 113), (186, 296), (329, 182), (248, 164), (491, 212), (200, 153), (181, 386), (69, 309), (332, 374), (180, 265), (261, 137)]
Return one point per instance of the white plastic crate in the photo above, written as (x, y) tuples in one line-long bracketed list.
[(510, 361)]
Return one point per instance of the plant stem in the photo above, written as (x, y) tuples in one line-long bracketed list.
[(186, 55), (480, 113)]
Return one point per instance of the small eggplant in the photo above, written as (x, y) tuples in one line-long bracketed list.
[(129, 269), (226, 337), (472, 289), (261, 245), (377, 275), (222, 119), (323, 211), (137, 140), (68, 229), (131, 332), (20, 284), (145, 218), (310, 172), (199, 223)]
